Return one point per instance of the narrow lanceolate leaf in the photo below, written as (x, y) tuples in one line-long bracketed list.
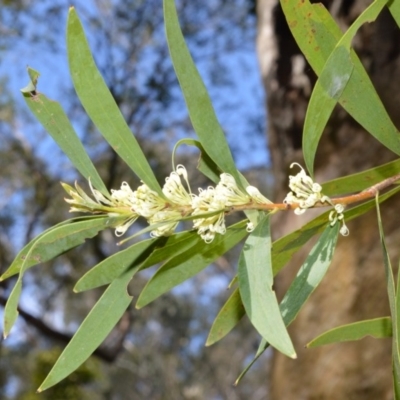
[(93, 330), (330, 86), (187, 264), (310, 274), (114, 266), (361, 180), (308, 278), (205, 165), (317, 35), (56, 241), (378, 328), (198, 102), (229, 315), (326, 93), (53, 118), (393, 302), (255, 284), (100, 104), (137, 257)]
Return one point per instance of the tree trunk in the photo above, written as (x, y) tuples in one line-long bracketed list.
[(354, 288)]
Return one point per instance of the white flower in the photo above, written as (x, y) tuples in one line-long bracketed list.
[(174, 190), (121, 229), (305, 192), (228, 193), (255, 194), (124, 196), (147, 202), (81, 202), (337, 215), (250, 227), (167, 228), (206, 202)]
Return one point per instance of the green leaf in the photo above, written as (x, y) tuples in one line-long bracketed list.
[(284, 248), (94, 329), (174, 245), (53, 118), (255, 285), (198, 102), (187, 264), (394, 7), (229, 315), (114, 266), (393, 299), (205, 165), (307, 279), (54, 242), (328, 89), (317, 35), (30, 89), (139, 256), (330, 86), (361, 180), (310, 274), (378, 328), (100, 104)]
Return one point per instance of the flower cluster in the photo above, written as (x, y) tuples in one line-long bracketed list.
[(306, 194), (209, 206)]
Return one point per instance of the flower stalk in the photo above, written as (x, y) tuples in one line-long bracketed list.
[(226, 197)]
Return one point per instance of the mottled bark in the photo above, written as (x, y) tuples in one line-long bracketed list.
[(354, 288)]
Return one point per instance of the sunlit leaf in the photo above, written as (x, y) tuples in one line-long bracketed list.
[(30, 88), (56, 241), (53, 118), (187, 264), (329, 88), (255, 284), (317, 34), (377, 328), (139, 256), (303, 285), (114, 266), (198, 102), (327, 91), (361, 180), (93, 330), (205, 165), (100, 104), (229, 315)]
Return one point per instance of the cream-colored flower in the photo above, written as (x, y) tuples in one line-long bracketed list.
[(147, 202), (81, 202), (255, 194), (174, 190), (166, 229), (228, 193), (123, 196), (206, 202), (305, 192), (337, 215)]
